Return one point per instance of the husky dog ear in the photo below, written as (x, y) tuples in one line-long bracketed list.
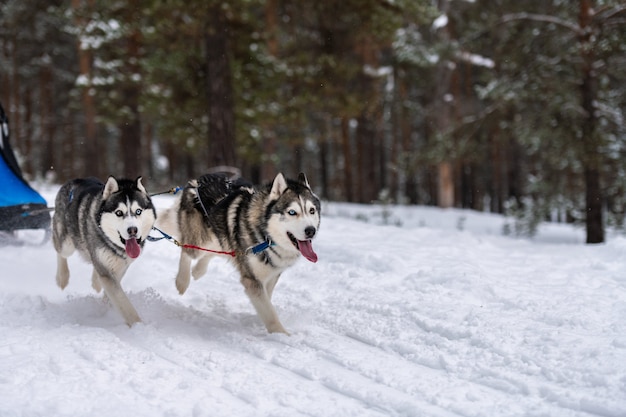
[(278, 187), (192, 187), (302, 180), (110, 187), (140, 186)]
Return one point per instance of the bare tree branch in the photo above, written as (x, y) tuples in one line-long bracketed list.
[(608, 12), (390, 5), (615, 22), (508, 18)]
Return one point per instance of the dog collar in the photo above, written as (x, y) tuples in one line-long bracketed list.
[(261, 246)]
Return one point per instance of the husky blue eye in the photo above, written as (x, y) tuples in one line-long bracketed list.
[(138, 212), (291, 212), (119, 213)]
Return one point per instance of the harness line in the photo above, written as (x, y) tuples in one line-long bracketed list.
[(206, 213), (173, 190), (254, 249)]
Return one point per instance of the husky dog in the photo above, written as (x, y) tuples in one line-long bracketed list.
[(265, 230), (107, 224)]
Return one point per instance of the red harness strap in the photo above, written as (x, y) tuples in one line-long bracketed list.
[(219, 252), (254, 249)]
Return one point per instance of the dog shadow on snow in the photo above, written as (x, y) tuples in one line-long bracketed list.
[(94, 310)]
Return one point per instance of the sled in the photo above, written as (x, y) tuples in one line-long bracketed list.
[(24, 213)]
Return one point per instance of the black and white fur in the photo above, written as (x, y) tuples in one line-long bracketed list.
[(107, 224), (218, 213)]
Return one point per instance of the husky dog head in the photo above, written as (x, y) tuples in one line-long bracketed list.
[(295, 216), (126, 214)]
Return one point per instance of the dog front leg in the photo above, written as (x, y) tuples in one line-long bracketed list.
[(113, 290), (271, 284), (184, 271), (262, 304)]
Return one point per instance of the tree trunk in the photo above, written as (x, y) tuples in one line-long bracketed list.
[(93, 160), (399, 95), (591, 152), (147, 134), (130, 129), (404, 164), (67, 144), (13, 107), (324, 167), (443, 117), (8, 54), (130, 140), (269, 146), (445, 188), (595, 229), (48, 119), (367, 184), (25, 139), (219, 91), (347, 155), (360, 141)]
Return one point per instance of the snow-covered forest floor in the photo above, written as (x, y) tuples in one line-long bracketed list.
[(434, 314)]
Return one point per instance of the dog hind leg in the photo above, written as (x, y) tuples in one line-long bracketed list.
[(201, 266), (64, 249), (63, 271), (262, 304), (95, 281)]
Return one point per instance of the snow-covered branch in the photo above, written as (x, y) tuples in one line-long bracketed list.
[(475, 59)]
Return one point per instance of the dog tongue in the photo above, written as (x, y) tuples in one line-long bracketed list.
[(132, 247), (306, 249)]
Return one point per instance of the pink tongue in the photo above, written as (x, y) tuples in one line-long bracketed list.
[(132, 247), (306, 249)]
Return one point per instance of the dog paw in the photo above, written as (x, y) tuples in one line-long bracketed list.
[(130, 321), (277, 328), (199, 270), (95, 282), (63, 272), (182, 283), (62, 280)]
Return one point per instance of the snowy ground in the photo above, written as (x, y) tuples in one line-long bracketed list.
[(438, 314)]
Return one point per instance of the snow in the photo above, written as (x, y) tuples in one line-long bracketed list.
[(440, 22), (410, 311)]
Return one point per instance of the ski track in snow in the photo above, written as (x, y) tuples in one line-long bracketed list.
[(442, 316)]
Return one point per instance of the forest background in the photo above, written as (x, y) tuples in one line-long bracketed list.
[(508, 106)]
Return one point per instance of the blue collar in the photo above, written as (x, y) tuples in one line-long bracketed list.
[(261, 246)]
